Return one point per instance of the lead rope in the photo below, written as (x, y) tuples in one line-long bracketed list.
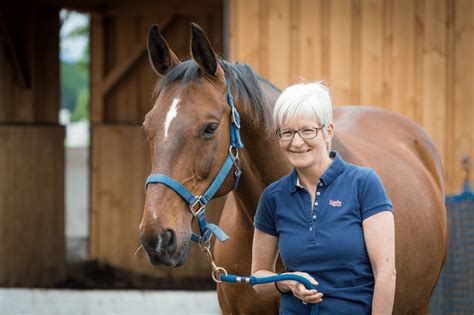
[(219, 275)]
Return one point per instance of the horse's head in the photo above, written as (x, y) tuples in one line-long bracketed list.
[(188, 132)]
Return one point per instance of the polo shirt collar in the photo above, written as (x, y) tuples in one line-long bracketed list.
[(336, 167)]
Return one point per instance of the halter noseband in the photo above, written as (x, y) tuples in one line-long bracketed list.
[(197, 204)]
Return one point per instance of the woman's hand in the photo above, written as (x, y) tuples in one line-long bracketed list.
[(299, 290)]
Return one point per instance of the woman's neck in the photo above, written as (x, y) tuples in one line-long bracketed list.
[(310, 176)]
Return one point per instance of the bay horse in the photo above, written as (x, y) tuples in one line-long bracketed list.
[(188, 133)]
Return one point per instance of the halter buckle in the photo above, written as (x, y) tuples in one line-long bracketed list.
[(234, 118), (201, 205)]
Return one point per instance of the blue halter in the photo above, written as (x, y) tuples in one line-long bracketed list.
[(197, 204)]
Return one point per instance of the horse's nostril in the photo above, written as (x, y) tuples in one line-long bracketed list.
[(168, 241), (148, 243)]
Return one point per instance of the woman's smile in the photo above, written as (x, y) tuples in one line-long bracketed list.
[(299, 151)]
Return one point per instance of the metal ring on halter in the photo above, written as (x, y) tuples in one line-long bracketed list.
[(216, 274), (202, 206), (234, 120), (236, 155)]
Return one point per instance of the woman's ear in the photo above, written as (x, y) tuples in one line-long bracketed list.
[(329, 134), (330, 130)]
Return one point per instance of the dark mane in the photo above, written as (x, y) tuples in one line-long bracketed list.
[(242, 79)]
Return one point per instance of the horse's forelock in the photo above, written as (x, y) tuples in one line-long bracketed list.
[(244, 83)]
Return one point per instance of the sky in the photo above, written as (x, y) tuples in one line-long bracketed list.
[(72, 49)]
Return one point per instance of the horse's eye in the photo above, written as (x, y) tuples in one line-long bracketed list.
[(210, 130)]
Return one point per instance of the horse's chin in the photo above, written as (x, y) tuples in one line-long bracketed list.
[(165, 259)]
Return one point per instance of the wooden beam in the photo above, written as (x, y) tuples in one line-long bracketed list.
[(119, 72), (21, 71), (138, 51)]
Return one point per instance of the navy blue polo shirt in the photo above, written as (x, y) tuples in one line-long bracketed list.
[(326, 239)]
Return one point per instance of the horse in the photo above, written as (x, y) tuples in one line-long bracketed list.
[(188, 133)]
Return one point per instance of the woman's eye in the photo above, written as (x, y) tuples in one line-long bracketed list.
[(308, 131), (210, 129)]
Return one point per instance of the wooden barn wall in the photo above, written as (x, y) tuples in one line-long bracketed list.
[(31, 205), (122, 80), (29, 63), (31, 147), (412, 57), (121, 89)]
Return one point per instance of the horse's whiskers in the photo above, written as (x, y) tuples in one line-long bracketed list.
[(139, 253)]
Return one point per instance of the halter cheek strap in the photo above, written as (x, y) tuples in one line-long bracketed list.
[(197, 204)]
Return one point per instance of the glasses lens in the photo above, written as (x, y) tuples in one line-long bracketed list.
[(308, 133), (285, 134)]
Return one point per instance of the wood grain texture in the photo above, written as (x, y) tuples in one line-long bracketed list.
[(29, 63), (121, 78), (412, 57), (31, 205)]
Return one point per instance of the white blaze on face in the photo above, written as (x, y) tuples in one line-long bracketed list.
[(171, 115)]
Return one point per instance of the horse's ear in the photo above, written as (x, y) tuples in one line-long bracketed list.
[(160, 55), (202, 52)]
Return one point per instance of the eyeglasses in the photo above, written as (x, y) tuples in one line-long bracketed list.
[(305, 133)]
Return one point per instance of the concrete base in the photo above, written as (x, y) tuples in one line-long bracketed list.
[(40, 301)]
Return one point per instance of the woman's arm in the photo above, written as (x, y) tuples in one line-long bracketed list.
[(379, 234), (264, 257)]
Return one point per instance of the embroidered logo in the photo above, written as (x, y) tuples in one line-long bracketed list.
[(335, 203)]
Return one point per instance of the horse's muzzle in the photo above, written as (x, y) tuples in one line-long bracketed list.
[(163, 249)]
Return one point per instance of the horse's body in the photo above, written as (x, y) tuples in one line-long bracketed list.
[(399, 150), (406, 160)]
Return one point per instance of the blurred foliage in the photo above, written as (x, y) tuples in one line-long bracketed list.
[(73, 80), (75, 75), (81, 111)]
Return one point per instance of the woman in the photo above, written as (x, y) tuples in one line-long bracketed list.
[(331, 221)]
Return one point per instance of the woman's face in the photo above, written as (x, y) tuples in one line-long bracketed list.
[(305, 153)]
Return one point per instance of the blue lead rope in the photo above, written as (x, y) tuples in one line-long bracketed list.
[(254, 280)]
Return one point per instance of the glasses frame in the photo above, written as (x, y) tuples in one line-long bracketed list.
[(278, 133)]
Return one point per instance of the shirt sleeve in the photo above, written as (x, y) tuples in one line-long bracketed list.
[(264, 219), (372, 197)]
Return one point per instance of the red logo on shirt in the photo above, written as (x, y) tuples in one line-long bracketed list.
[(335, 203)]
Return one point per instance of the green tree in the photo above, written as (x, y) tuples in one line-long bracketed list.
[(75, 76)]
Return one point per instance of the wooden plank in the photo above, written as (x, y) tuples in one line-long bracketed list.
[(6, 85), (339, 49), (463, 116), (46, 64), (119, 105), (279, 40), (21, 72), (194, 7), (137, 51), (118, 200), (371, 58), (419, 11), (356, 35), (308, 48), (435, 72), (31, 205), (246, 44), (403, 59)]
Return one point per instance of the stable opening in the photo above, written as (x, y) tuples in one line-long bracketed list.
[(74, 115)]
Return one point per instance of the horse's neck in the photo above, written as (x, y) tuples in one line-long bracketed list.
[(262, 161)]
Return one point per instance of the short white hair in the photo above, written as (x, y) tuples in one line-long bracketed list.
[(304, 100)]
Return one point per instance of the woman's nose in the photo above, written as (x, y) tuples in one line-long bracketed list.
[(297, 139)]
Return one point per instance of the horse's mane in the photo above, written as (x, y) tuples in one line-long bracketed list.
[(244, 83)]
